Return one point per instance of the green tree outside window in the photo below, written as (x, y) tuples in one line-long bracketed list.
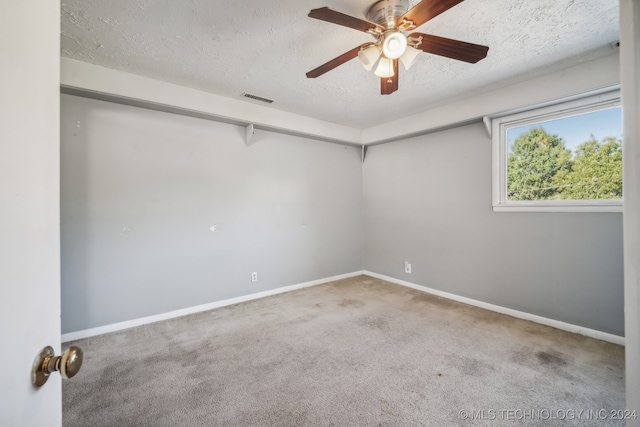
[(540, 167)]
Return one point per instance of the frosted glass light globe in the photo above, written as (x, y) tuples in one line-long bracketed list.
[(368, 56), (394, 45), (409, 57), (385, 68)]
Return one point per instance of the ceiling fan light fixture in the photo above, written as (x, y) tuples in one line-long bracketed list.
[(409, 57), (390, 23), (385, 68), (394, 45), (368, 56)]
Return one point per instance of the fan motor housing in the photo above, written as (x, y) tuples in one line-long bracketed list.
[(387, 12)]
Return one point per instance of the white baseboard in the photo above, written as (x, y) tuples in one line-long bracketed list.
[(86, 333), (615, 339)]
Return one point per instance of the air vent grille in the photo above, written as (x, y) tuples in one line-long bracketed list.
[(257, 98)]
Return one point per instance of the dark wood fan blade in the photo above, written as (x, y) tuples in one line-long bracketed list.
[(390, 85), (454, 49), (330, 15), (426, 10), (317, 72)]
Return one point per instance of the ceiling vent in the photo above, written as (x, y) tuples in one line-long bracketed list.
[(257, 98)]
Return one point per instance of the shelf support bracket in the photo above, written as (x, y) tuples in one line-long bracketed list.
[(248, 134)]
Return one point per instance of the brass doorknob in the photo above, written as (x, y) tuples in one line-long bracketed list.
[(68, 364)]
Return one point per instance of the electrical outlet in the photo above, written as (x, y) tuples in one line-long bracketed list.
[(254, 276), (407, 267)]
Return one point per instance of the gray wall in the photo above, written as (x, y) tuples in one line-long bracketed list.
[(141, 189), (428, 200)]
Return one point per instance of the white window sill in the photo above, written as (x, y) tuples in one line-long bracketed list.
[(614, 207)]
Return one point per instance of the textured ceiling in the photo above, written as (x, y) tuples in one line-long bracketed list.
[(266, 47)]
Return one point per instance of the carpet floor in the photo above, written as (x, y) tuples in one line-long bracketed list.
[(354, 352)]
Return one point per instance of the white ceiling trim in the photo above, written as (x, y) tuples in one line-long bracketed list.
[(95, 79), (113, 85), (584, 77), (249, 127)]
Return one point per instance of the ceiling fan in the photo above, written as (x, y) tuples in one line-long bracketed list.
[(388, 21)]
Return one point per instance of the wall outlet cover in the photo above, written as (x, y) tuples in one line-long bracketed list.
[(407, 267)]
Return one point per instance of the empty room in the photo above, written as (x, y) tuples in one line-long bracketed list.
[(320, 213)]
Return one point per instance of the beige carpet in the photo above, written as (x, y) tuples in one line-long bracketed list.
[(356, 352)]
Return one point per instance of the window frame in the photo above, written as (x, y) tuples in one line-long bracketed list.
[(538, 114)]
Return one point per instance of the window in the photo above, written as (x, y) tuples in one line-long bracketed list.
[(560, 158)]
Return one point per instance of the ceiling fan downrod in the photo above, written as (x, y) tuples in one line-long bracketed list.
[(387, 12)]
